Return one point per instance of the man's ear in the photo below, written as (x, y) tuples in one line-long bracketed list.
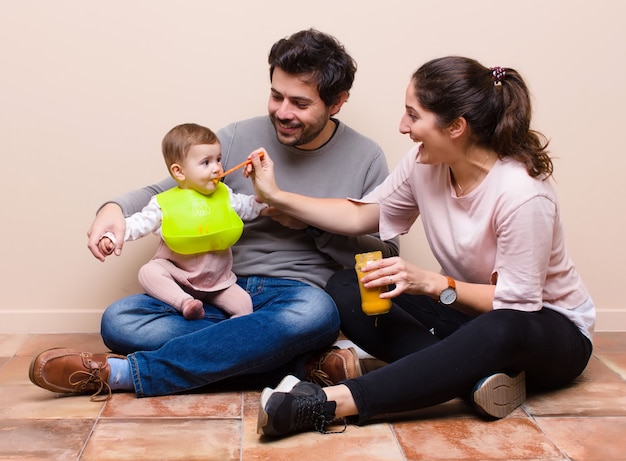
[(457, 128), (335, 108), (177, 171)]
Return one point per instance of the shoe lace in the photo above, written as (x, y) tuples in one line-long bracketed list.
[(81, 379), (311, 413), (319, 376)]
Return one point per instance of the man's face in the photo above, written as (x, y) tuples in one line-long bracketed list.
[(297, 112)]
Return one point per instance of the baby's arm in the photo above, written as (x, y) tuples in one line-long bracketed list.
[(246, 206), (138, 225)]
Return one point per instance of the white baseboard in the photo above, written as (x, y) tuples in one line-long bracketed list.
[(88, 321)]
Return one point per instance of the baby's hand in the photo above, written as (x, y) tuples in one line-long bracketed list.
[(106, 244)]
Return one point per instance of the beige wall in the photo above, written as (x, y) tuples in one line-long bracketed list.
[(88, 89)]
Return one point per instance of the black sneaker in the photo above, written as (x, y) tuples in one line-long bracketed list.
[(498, 395), (294, 406)]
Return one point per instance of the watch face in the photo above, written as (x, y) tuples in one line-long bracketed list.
[(448, 296)]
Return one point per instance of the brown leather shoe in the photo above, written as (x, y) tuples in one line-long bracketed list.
[(333, 366), (72, 372)]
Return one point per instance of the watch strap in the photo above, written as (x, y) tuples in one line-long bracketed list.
[(451, 282), (447, 291)]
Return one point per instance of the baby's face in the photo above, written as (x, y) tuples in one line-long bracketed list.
[(202, 168)]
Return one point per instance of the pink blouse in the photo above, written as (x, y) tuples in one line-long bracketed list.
[(505, 232)]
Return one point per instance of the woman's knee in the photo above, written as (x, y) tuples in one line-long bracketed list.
[(507, 330), (343, 287), (341, 280)]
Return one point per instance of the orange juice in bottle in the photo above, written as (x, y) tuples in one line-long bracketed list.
[(371, 303)]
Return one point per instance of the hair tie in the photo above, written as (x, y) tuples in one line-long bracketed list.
[(498, 74)]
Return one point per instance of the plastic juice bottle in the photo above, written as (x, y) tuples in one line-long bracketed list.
[(371, 303)]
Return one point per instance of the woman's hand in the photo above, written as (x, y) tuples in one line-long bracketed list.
[(261, 172), (109, 219), (406, 277), (472, 298)]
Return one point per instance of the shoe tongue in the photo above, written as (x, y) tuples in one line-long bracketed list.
[(329, 409)]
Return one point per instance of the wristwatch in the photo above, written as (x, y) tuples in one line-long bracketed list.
[(448, 295)]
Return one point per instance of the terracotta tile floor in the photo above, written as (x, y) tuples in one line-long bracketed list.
[(584, 422)]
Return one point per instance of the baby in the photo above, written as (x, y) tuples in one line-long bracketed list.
[(198, 221)]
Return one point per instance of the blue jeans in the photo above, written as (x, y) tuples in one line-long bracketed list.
[(169, 354)]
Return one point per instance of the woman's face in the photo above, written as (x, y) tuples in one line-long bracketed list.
[(421, 126)]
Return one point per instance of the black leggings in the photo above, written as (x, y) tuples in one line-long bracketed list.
[(436, 353)]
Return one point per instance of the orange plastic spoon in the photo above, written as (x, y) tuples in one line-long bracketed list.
[(242, 164)]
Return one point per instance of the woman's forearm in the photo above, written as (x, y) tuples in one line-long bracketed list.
[(337, 215)]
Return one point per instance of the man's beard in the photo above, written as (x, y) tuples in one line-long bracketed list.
[(305, 135)]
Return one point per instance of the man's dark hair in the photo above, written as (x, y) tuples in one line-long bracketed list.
[(321, 55)]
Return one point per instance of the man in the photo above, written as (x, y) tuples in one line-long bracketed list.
[(283, 263)]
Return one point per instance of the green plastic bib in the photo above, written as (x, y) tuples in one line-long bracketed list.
[(196, 223)]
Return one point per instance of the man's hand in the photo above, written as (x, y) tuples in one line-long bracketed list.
[(109, 219), (283, 219)]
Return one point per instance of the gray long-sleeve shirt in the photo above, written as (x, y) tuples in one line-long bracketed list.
[(348, 165)]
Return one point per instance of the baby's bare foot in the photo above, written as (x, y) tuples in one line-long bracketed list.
[(193, 309)]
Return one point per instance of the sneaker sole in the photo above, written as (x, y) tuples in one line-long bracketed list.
[(500, 394), (287, 383)]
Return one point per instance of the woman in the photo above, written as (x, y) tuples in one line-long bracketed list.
[(508, 309)]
